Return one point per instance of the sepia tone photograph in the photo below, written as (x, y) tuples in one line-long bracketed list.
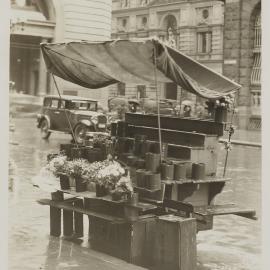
[(134, 135)]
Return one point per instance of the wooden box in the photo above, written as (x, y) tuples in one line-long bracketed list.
[(130, 241), (175, 247)]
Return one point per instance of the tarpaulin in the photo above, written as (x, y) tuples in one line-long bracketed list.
[(99, 64)]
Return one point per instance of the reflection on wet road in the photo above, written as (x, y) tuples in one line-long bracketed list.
[(233, 244)]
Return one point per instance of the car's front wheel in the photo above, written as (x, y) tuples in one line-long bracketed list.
[(80, 133), (44, 129)]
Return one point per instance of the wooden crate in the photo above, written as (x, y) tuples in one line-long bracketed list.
[(175, 247), (130, 241)]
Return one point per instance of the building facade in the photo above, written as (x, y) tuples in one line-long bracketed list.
[(194, 27), (242, 56), (36, 21), (223, 35)]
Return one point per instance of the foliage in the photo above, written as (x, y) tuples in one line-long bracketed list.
[(124, 185), (58, 164), (225, 102), (109, 175), (104, 141), (78, 168)]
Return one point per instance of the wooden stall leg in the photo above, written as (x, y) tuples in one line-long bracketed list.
[(68, 222), (78, 220), (55, 214), (55, 221)]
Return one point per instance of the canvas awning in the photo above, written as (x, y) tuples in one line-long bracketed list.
[(99, 64)]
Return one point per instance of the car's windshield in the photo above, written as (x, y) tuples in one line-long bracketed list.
[(82, 105)]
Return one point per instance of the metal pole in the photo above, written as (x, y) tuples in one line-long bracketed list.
[(157, 97), (61, 100)]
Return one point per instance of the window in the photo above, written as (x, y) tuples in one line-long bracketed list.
[(47, 102), (204, 44), (205, 13), (54, 103), (121, 89), (144, 22), (141, 91), (62, 104)]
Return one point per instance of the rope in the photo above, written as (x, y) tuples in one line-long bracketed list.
[(61, 100), (157, 98), (231, 131)]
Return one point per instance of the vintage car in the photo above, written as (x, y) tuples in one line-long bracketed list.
[(74, 113)]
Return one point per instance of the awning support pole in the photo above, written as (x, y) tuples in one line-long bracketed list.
[(231, 131), (61, 100), (157, 97)]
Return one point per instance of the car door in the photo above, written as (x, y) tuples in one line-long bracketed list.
[(63, 115), (55, 115)]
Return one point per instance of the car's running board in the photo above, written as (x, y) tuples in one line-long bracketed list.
[(60, 132)]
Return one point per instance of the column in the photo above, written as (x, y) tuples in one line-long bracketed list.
[(42, 82)]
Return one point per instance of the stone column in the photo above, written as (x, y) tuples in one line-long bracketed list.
[(42, 81)]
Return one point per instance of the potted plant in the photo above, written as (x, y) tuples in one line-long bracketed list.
[(58, 166), (77, 169), (104, 143), (108, 175), (222, 107), (124, 190)]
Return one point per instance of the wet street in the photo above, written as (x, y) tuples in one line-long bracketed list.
[(233, 244)]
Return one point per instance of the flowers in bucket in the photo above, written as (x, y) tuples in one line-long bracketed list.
[(103, 141), (123, 188), (58, 165), (225, 102), (78, 170), (109, 174)]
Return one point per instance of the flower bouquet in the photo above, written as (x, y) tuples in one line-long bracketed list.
[(58, 165), (123, 189), (108, 175), (218, 109), (103, 142), (77, 171)]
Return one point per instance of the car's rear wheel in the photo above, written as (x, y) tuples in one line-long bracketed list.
[(80, 133), (44, 129)]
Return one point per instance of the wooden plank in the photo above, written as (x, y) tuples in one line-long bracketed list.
[(78, 219), (62, 205), (67, 222), (55, 221), (189, 180), (226, 209), (180, 206), (175, 123), (169, 135)]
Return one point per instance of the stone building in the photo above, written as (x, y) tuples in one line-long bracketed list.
[(223, 35), (36, 21), (242, 56), (196, 25)]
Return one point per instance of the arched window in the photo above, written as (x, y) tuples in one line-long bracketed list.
[(256, 68)]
